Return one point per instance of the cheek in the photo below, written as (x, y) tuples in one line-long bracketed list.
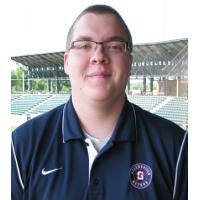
[(75, 65), (127, 69), (76, 69), (123, 68)]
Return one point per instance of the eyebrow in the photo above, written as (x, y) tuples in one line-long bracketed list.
[(112, 38), (116, 38)]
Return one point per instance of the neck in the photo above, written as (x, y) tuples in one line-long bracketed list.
[(98, 118)]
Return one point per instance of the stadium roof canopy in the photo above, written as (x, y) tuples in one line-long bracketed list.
[(169, 58)]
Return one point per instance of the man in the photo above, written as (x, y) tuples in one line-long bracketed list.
[(98, 145)]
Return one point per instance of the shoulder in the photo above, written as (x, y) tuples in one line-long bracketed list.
[(157, 125), (161, 135), (38, 125)]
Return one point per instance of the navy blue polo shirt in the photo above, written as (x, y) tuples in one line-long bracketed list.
[(145, 158)]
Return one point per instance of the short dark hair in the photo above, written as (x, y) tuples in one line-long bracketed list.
[(100, 9)]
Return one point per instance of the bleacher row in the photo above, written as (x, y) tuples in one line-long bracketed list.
[(172, 108)]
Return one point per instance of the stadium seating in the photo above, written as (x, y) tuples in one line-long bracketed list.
[(147, 102), (15, 96), (175, 110), (24, 103), (54, 101), (172, 108)]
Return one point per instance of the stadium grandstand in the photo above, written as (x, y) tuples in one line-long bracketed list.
[(160, 69)]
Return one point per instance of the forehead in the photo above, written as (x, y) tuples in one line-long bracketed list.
[(99, 27)]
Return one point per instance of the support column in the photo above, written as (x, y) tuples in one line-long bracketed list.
[(57, 85), (165, 79), (144, 84), (177, 86), (29, 82), (23, 83), (49, 85), (29, 85), (151, 84)]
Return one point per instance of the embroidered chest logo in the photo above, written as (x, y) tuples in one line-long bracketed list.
[(45, 172), (140, 176)]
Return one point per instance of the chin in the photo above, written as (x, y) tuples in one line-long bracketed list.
[(99, 95)]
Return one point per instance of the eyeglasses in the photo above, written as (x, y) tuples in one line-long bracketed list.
[(86, 46)]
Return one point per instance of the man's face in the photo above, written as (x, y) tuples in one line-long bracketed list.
[(98, 75)]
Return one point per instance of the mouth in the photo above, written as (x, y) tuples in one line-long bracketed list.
[(99, 74)]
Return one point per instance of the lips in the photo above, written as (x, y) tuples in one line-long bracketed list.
[(99, 74)]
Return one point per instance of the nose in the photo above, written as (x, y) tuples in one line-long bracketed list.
[(99, 56)]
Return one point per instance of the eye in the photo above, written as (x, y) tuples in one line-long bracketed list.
[(115, 46), (84, 45)]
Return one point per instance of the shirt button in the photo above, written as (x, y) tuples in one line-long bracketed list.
[(96, 181)]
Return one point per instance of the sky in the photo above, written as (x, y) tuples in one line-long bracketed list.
[(40, 26)]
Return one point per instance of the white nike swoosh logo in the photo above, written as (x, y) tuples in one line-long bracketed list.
[(44, 172)]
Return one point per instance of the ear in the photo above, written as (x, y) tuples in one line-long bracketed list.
[(66, 62)]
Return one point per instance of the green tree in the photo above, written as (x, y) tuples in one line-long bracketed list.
[(41, 85), (17, 80)]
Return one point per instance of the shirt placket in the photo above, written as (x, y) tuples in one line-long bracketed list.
[(95, 186)]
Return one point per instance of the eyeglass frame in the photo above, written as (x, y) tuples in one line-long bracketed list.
[(127, 45)]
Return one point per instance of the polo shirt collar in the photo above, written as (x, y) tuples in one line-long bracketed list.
[(70, 124), (125, 129)]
